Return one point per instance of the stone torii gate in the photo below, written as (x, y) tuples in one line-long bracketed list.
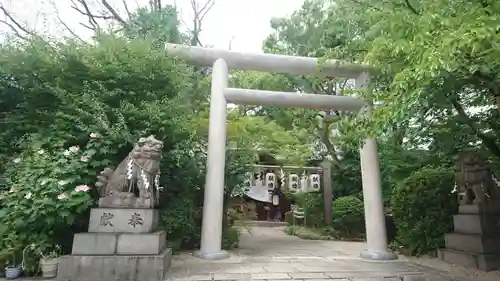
[(221, 95)]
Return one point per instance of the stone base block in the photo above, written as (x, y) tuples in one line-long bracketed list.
[(110, 220), (94, 244), (492, 208), (487, 225), (141, 244), (119, 244), (115, 268), (126, 200), (472, 260), (473, 243)]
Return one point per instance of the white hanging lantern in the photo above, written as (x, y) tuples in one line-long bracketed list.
[(276, 200), (270, 181), (293, 183), (314, 182), (304, 183)]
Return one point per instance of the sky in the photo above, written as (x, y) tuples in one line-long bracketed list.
[(246, 21)]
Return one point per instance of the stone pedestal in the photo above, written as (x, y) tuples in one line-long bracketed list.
[(475, 242), (122, 244)]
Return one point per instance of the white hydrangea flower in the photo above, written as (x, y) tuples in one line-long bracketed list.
[(74, 149), (62, 196), (62, 182)]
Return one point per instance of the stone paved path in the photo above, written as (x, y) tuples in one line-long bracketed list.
[(269, 254)]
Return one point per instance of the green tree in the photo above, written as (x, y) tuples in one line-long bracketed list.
[(309, 32), (258, 134), (161, 25), (435, 61)]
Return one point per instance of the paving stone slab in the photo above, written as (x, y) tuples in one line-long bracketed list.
[(202, 277), (337, 275), (230, 276), (311, 269), (211, 277), (270, 276), (244, 269), (375, 279), (414, 278), (309, 275), (329, 279), (283, 268)]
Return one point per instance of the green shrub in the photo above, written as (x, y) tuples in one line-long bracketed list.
[(289, 217), (182, 222), (348, 216), (422, 207), (313, 204), (308, 233), (230, 238)]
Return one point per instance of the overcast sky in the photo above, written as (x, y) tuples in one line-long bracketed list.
[(246, 20)]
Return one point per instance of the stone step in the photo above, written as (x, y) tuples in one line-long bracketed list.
[(473, 243), (472, 260), (119, 243), (477, 224), (115, 268)]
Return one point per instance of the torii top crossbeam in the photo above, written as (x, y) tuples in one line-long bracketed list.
[(267, 62)]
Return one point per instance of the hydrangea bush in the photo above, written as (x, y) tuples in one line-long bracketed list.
[(48, 191)]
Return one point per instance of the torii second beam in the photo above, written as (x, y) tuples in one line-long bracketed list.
[(292, 100)]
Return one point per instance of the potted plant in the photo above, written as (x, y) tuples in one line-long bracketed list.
[(13, 270), (8, 254), (49, 261)]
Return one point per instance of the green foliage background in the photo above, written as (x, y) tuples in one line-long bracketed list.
[(435, 83)]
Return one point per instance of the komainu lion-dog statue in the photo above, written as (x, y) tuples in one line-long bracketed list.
[(475, 181), (135, 182)]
